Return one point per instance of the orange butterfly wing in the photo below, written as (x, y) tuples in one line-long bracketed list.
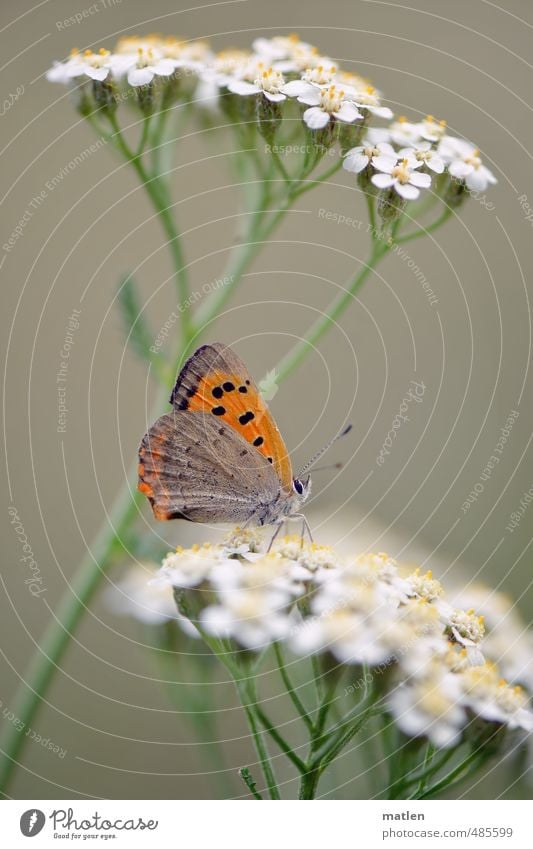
[(215, 380)]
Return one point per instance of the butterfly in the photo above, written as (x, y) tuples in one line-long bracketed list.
[(218, 456)]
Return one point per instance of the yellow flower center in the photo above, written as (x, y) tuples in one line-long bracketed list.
[(96, 60), (401, 172), (270, 80), (331, 99)]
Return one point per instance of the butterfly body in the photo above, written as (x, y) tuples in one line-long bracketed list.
[(218, 455)]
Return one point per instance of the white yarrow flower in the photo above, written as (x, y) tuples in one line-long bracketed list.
[(268, 82), (189, 567), (466, 164), (403, 178), (148, 65), (327, 104), (403, 132), (430, 707), (431, 130), (368, 98), (425, 154), (96, 66), (359, 158)]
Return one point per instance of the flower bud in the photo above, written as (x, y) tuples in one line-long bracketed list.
[(390, 206), (104, 95), (268, 116)]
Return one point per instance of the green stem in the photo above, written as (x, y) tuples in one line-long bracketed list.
[(424, 231), (310, 184), (328, 699), (238, 264), (158, 193), (309, 784), (250, 783), (428, 757), (279, 739), (186, 697), (297, 702), (298, 353), (371, 207), (252, 244), (144, 135), (56, 638), (333, 747), (280, 166), (243, 688), (453, 775), (396, 788)]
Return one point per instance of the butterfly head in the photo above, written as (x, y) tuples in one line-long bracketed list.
[(301, 488)]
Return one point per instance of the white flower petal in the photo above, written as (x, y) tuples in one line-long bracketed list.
[(164, 68), (380, 111), (296, 88), (99, 74), (378, 135), (477, 180), (58, 73), (405, 190), (423, 181), (242, 87), (355, 162), (348, 113), (316, 118), (384, 163), (436, 164), (460, 169), (387, 149), (383, 181), (274, 98), (140, 76), (216, 620), (311, 96)]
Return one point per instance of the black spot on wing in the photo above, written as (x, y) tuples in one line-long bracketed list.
[(246, 417)]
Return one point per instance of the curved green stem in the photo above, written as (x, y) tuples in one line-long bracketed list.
[(158, 193), (310, 184), (279, 739), (248, 698), (298, 353), (424, 231), (474, 759), (276, 158), (77, 597), (144, 135), (293, 695)]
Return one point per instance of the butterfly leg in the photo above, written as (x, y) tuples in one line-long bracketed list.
[(275, 534), (305, 526)]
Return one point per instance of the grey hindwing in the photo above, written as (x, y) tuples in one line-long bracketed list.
[(197, 467)]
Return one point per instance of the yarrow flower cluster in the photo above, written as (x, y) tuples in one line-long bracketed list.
[(286, 78), (361, 612)]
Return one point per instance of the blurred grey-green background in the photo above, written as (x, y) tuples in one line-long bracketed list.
[(466, 62)]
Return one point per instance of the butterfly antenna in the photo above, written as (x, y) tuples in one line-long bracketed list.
[(328, 467), (323, 450)]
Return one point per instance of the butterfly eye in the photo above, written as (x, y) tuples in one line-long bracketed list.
[(298, 486)]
